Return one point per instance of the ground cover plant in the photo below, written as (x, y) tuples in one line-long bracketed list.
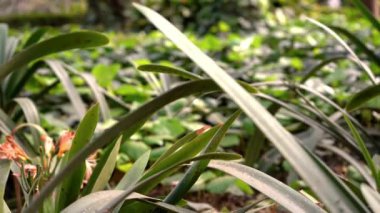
[(132, 126)]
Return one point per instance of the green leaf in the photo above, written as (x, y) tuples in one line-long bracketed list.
[(372, 197), (104, 74), (364, 151), (31, 116), (104, 169), (97, 200), (84, 39), (96, 90), (157, 177), (220, 185), (314, 69), (135, 173), (354, 57), (127, 125), (355, 163), (188, 150), (72, 92), (5, 166), (359, 44), (35, 36), (169, 70), (168, 128), (274, 189), (196, 169), (134, 150), (185, 139), (362, 97), (306, 167), (69, 190), (368, 14)]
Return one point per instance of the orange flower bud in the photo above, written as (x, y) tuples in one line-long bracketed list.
[(64, 142)]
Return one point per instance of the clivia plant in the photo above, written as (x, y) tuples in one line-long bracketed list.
[(67, 188)]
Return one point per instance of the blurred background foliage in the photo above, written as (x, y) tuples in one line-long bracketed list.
[(254, 40)]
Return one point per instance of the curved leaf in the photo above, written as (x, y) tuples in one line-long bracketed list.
[(274, 189), (370, 53), (104, 169), (69, 190), (163, 173), (368, 14), (344, 44), (371, 196), (95, 201), (362, 97), (96, 91), (59, 43), (314, 69), (72, 93), (196, 169), (35, 36), (31, 115), (307, 168), (135, 173), (169, 70)]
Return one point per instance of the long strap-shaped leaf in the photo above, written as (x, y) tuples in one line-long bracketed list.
[(72, 93), (127, 123), (59, 43), (5, 166), (344, 44), (95, 89), (274, 189), (196, 169), (336, 199), (94, 201), (31, 115)]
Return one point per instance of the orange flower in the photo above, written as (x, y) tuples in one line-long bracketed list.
[(11, 151), (65, 141)]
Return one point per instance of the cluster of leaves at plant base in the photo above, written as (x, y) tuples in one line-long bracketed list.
[(299, 110)]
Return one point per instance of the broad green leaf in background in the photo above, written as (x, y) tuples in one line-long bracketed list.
[(104, 74), (362, 97), (274, 189), (332, 196), (84, 39), (69, 190)]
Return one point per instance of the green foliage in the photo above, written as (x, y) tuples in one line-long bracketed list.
[(313, 105)]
